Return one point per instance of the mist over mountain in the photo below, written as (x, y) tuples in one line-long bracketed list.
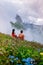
[(30, 18), (36, 32), (24, 25), (32, 31)]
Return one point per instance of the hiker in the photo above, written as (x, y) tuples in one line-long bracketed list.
[(21, 35), (13, 33)]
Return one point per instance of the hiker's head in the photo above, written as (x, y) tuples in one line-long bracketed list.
[(21, 31), (13, 30)]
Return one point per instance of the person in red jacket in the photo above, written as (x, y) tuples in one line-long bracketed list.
[(21, 35), (13, 33)]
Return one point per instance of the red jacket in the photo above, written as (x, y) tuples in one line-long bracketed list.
[(14, 35)]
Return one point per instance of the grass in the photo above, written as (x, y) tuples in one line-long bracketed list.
[(20, 49)]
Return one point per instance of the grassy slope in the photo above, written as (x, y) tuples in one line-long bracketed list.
[(7, 44), (7, 39)]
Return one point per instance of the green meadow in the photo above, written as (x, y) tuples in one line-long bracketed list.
[(19, 49)]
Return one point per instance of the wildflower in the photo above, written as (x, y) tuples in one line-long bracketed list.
[(41, 53)]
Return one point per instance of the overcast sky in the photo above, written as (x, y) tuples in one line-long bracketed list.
[(29, 10)]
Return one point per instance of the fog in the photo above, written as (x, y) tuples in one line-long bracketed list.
[(29, 10)]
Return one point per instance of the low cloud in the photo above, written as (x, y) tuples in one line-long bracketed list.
[(29, 10)]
